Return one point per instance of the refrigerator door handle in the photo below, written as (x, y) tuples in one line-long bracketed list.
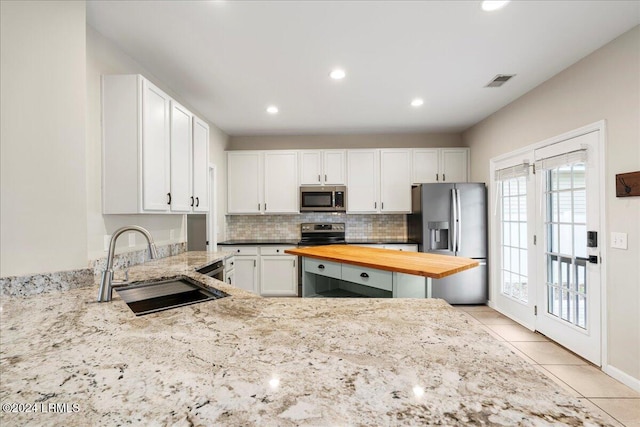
[(454, 220), (459, 224)]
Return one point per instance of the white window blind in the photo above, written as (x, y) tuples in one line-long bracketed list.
[(512, 172), (578, 156)]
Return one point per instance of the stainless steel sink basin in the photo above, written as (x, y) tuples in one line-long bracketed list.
[(150, 297)]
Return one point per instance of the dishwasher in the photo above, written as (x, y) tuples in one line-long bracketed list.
[(215, 270)]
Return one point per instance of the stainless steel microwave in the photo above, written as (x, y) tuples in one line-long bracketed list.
[(323, 199)]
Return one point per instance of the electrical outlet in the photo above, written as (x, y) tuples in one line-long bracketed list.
[(132, 240), (619, 240), (107, 239)]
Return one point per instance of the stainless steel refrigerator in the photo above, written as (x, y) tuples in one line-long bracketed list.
[(451, 219)]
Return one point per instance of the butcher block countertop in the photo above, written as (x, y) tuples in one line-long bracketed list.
[(420, 264)]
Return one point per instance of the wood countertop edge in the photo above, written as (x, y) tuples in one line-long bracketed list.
[(385, 267)]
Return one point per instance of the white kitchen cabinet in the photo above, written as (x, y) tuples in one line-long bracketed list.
[(440, 165), (146, 148), (244, 182), (200, 164), (245, 267), (363, 168), (281, 182), (322, 167), (262, 182), (379, 181), (278, 272), (181, 142), (395, 181)]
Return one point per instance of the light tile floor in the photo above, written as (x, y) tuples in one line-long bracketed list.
[(614, 401)]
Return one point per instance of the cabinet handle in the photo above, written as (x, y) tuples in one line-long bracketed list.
[(229, 280), (443, 178), (258, 207), (382, 205), (319, 178), (197, 202), (364, 275), (294, 263), (192, 201), (254, 263), (321, 267), (238, 250), (169, 202), (265, 207), (325, 177), (375, 205), (278, 250), (436, 177), (231, 264)]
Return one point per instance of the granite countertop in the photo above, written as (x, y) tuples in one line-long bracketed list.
[(246, 360)]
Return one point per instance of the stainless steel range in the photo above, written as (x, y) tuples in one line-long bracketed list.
[(318, 234), (322, 233)]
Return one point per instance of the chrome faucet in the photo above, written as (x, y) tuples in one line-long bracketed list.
[(105, 293)]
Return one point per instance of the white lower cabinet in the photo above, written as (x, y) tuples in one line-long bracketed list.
[(230, 271), (278, 273), (264, 270)]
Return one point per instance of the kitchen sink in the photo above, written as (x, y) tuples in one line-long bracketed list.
[(150, 297)]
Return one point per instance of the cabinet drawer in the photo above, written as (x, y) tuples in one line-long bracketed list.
[(241, 250), (275, 250), (368, 277), (323, 268), (399, 247)]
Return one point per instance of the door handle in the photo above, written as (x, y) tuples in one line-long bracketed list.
[(454, 220), (459, 245)]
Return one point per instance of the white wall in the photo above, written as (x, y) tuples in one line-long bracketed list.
[(104, 57), (604, 85), (43, 219)]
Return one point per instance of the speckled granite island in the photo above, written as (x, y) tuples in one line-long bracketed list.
[(245, 360)]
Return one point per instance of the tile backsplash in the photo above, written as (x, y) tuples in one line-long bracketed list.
[(358, 227)]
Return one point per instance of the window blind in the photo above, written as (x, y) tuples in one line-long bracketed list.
[(578, 156), (512, 172)]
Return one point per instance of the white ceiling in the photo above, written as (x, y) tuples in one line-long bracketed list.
[(231, 59)]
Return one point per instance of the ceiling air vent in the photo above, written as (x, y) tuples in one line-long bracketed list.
[(499, 80)]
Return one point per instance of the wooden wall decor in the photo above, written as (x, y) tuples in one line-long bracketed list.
[(628, 184)]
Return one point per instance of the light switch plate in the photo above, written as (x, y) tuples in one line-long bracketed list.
[(619, 240), (132, 240)]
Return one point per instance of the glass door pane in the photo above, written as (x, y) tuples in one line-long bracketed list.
[(514, 272), (565, 227)]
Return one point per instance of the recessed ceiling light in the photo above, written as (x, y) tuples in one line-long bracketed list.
[(491, 5), (337, 74), (417, 102), (272, 109)]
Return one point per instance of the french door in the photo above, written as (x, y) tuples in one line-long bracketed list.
[(569, 286), (547, 203)]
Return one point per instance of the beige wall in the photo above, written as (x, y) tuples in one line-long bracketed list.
[(43, 220), (104, 57), (603, 86), (274, 142)]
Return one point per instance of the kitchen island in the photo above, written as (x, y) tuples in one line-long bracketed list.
[(246, 360), (351, 270)]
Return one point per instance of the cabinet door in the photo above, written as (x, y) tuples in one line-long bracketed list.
[(181, 142), (395, 181), (230, 277), (310, 167), (278, 275), (333, 166), (246, 273), (200, 165), (425, 165), (244, 182), (362, 181), (454, 164), (156, 150), (281, 182)]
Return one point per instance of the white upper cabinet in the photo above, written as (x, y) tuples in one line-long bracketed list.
[(244, 182), (181, 142), (440, 165), (363, 167), (262, 182), (200, 164), (281, 182), (322, 167), (395, 181), (379, 181), (147, 160)]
